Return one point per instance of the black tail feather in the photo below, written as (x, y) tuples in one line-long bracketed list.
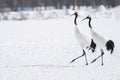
[(110, 46)]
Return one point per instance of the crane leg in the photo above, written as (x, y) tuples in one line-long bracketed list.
[(85, 57), (84, 54), (102, 53)]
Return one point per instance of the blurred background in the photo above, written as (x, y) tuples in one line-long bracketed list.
[(15, 5), (8, 8)]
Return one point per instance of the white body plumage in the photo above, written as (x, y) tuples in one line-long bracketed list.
[(83, 38), (100, 40)]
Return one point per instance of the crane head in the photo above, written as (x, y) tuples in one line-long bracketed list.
[(88, 17), (76, 14)]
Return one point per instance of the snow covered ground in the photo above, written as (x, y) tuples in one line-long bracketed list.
[(42, 49)]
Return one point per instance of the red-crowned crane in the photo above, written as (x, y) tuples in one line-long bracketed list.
[(84, 40), (100, 41)]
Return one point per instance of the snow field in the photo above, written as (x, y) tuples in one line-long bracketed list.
[(43, 49)]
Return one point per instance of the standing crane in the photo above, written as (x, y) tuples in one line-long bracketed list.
[(84, 40), (100, 41)]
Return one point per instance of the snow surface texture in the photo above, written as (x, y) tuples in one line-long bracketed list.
[(43, 49)]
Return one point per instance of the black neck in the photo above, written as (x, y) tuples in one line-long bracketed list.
[(75, 20), (90, 23)]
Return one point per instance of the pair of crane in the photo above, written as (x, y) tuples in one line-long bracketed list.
[(90, 41)]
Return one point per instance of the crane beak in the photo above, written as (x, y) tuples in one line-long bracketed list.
[(84, 19), (72, 14)]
